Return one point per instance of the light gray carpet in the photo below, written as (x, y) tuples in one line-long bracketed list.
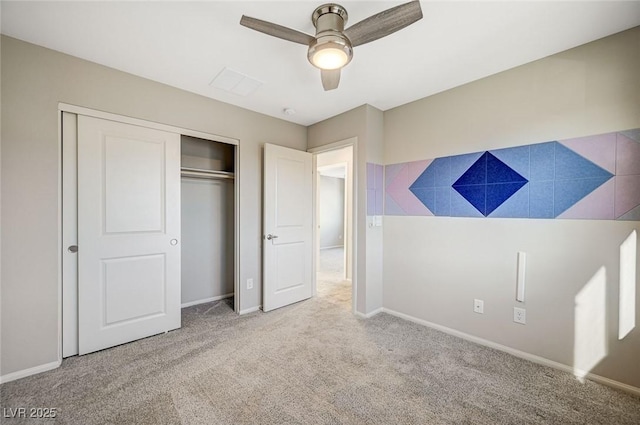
[(330, 283), (311, 363)]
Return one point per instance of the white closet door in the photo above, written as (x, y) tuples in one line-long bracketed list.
[(128, 230)]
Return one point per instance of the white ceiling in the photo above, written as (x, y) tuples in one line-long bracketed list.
[(186, 44)]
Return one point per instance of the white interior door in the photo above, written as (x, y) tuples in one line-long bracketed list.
[(288, 213), (128, 230)]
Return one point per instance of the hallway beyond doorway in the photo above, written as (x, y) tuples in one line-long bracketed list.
[(331, 284)]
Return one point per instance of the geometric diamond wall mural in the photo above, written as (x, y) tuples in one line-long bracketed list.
[(488, 183), (594, 177)]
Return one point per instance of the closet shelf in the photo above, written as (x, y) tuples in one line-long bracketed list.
[(199, 173)]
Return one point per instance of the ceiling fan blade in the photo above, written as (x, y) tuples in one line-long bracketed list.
[(330, 78), (276, 30), (384, 23)]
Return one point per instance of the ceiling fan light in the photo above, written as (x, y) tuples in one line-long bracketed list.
[(330, 58), (330, 54)]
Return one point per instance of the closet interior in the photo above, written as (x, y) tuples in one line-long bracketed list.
[(208, 228)]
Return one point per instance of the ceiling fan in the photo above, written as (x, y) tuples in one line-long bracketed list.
[(332, 47)]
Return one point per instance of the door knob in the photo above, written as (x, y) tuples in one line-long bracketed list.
[(73, 249), (270, 236), (174, 242)]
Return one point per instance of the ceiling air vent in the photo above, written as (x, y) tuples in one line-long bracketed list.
[(235, 82)]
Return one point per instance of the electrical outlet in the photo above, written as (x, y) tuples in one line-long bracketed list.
[(519, 315), (249, 283), (478, 306)]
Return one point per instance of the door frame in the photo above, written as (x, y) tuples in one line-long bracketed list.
[(353, 142), (67, 193)]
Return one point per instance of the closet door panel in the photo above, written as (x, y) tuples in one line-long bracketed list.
[(128, 232), (134, 192)]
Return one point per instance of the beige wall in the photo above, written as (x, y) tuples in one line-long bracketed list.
[(34, 80), (435, 266), (374, 259)]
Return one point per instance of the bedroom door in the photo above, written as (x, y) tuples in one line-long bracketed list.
[(288, 227), (128, 232)]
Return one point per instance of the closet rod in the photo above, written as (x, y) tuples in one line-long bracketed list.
[(207, 171), (206, 174)]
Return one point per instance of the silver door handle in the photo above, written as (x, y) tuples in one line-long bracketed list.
[(173, 242), (73, 249), (270, 236)]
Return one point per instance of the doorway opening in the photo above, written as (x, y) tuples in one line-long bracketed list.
[(334, 225)]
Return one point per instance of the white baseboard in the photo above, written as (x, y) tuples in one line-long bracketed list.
[(370, 314), (28, 372), (517, 353), (250, 310), (206, 300)]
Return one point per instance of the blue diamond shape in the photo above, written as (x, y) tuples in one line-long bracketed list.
[(498, 193), (488, 183), (570, 165), (476, 195), (426, 179), (567, 193), (499, 172), (427, 196), (476, 174)]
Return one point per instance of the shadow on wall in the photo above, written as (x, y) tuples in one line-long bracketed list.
[(591, 335)]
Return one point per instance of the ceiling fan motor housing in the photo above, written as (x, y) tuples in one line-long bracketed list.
[(334, 17), (329, 20)]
